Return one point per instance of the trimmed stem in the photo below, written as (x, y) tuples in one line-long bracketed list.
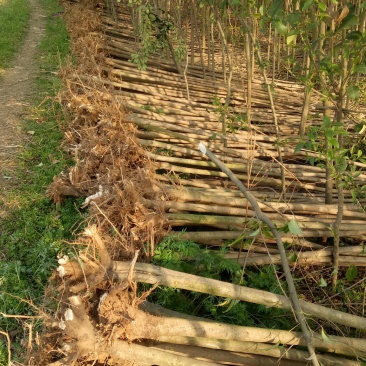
[(285, 265)]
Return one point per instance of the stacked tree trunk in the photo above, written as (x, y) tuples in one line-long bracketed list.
[(144, 171), (199, 197), (129, 329)]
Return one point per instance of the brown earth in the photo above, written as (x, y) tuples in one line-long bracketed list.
[(16, 91)]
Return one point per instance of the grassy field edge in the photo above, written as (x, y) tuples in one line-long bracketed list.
[(14, 20), (35, 231)]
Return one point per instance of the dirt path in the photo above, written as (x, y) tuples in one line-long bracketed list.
[(16, 86)]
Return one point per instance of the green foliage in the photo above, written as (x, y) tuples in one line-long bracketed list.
[(54, 49), (31, 238), (323, 283), (150, 41), (338, 158), (189, 257), (14, 18), (156, 33), (231, 122), (315, 142), (3, 353), (294, 228), (327, 51), (351, 273)]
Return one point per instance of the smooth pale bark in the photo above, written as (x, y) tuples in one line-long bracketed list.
[(347, 256), (227, 357), (288, 356), (279, 353), (153, 327), (147, 355), (149, 273)]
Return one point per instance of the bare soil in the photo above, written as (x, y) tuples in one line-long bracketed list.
[(16, 88)]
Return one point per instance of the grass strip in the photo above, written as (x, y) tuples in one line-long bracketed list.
[(35, 231), (14, 20)]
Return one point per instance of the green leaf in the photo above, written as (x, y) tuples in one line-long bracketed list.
[(281, 28), (329, 134), (326, 122), (348, 22), (290, 39), (323, 283), (275, 346), (322, 6), (307, 4), (237, 240), (326, 337), (308, 145), (335, 143), (342, 166), (294, 227), (254, 233), (261, 10), (274, 8), (294, 18), (354, 36), (284, 229), (353, 92), (299, 146), (351, 273), (292, 258), (231, 305), (361, 69)]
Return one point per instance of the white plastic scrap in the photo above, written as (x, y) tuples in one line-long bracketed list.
[(63, 260), (202, 148), (101, 299), (90, 199), (61, 271), (62, 325), (66, 348), (69, 314)]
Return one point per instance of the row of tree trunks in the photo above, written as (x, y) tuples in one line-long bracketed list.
[(159, 330), (170, 127)]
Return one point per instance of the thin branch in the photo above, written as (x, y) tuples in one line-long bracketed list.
[(270, 96), (285, 265)]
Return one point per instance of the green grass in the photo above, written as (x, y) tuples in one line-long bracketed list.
[(14, 19), (35, 231), (189, 257)]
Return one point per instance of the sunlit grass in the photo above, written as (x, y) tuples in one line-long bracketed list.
[(34, 230), (14, 20)]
